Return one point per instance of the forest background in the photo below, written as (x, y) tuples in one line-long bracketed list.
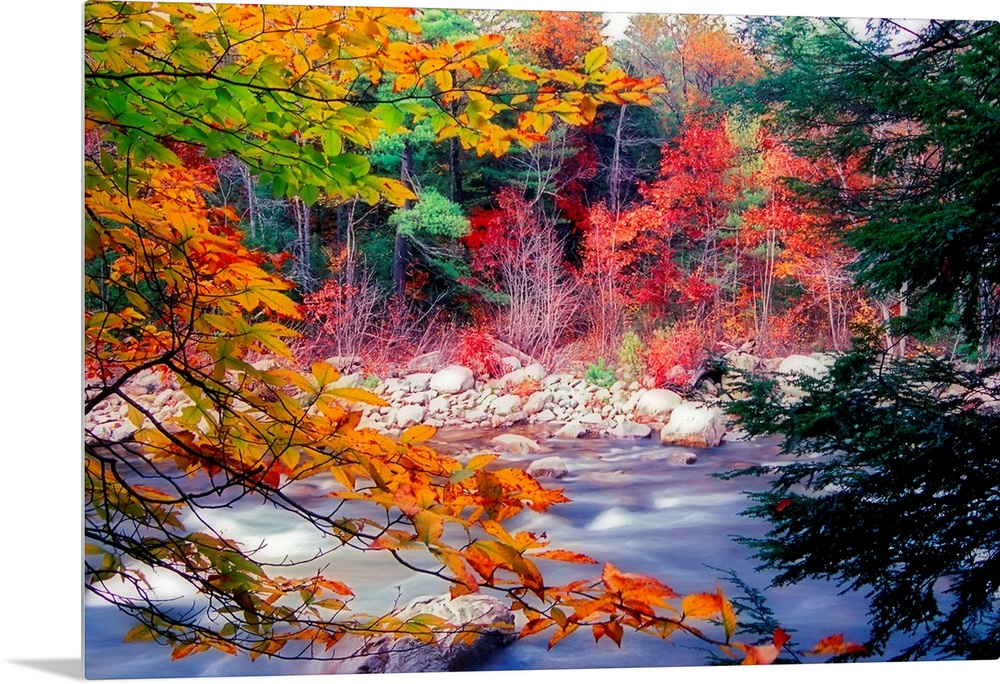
[(41, 637)]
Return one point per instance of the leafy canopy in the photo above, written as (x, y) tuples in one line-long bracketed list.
[(184, 306)]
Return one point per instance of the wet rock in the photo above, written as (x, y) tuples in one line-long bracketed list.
[(628, 429), (550, 466), (694, 425), (682, 458), (490, 620), (516, 444), (573, 430)]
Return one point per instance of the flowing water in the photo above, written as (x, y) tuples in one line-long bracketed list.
[(630, 506)]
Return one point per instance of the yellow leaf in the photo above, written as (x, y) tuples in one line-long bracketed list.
[(356, 394), (728, 616), (135, 416), (596, 58), (444, 80), (417, 434), (480, 461), (429, 527)]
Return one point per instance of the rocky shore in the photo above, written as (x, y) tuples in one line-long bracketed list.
[(565, 405)]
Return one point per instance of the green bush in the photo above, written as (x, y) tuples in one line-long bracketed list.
[(631, 356), (600, 374)]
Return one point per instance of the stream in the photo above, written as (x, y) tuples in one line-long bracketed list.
[(629, 506)]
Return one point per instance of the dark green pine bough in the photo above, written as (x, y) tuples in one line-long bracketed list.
[(896, 488)]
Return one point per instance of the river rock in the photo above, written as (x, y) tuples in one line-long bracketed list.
[(516, 444), (536, 402), (628, 429), (506, 405), (344, 364), (425, 363), (437, 405), (488, 617), (657, 403), (572, 430), (411, 414), (545, 416), (799, 365), (682, 458), (511, 363), (550, 466), (419, 382), (535, 371), (694, 425), (452, 380), (349, 380)]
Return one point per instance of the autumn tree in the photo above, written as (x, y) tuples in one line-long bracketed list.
[(183, 304), (696, 56), (558, 40)]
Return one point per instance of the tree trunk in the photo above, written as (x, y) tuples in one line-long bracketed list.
[(455, 193), (615, 175), (400, 252)]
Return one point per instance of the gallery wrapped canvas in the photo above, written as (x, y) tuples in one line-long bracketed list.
[(435, 339)]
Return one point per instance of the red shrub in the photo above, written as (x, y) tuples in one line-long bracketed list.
[(477, 352), (672, 356)]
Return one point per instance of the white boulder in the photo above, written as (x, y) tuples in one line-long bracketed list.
[(536, 402), (694, 425), (627, 429), (516, 444), (486, 616), (800, 365), (452, 380), (411, 414), (506, 405), (657, 403), (572, 430), (550, 466)]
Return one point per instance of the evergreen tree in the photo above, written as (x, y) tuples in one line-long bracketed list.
[(894, 491)]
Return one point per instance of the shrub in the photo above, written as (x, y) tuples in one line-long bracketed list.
[(673, 355), (630, 355), (525, 388), (600, 374), (476, 351)]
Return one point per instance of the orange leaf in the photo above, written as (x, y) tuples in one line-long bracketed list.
[(701, 606), (336, 587), (835, 645), (566, 556)]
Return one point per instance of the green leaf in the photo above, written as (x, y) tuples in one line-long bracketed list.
[(390, 115)]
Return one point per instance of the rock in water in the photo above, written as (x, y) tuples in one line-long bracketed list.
[(657, 403), (550, 466), (489, 621), (516, 444), (694, 425), (571, 430)]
